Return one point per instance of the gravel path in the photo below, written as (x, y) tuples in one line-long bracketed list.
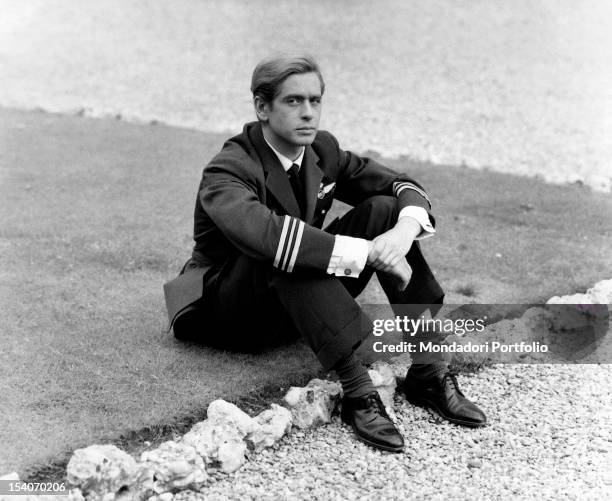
[(517, 86), (549, 437)]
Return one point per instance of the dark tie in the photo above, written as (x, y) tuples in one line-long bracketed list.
[(297, 185)]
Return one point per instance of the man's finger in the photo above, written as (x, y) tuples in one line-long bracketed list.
[(404, 279), (396, 260), (401, 271), (391, 260), (386, 257), (377, 250)]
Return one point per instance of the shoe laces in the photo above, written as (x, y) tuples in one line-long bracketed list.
[(451, 377), (374, 400)]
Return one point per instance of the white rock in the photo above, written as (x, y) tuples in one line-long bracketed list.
[(166, 496), (220, 411), (207, 437), (273, 424), (579, 311), (313, 404), (102, 470), (566, 317), (75, 495), (10, 476), (230, 456), (600, 293), (571, 299), (175, 466), (292, 397), (400, 365), (332, 388), (383, 378)]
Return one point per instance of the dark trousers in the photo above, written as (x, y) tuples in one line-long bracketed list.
[(256, 306)]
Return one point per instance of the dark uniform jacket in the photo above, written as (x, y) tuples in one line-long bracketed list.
[(245, 204)]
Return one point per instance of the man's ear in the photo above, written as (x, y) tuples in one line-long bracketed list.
[(261, 108)]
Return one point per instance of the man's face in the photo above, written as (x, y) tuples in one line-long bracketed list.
[(292, 119)]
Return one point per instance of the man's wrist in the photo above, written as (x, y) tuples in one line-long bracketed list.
[(349, 256), (422, 217), (409, 227), (370, 247)]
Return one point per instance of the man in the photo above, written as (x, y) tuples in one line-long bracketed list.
[(263, 269)]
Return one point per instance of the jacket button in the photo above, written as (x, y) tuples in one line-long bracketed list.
[(347, 271)]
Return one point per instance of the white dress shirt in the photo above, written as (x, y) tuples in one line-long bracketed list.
[(350, 254)]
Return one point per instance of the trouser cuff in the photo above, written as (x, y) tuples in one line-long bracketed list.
[(343, 343)]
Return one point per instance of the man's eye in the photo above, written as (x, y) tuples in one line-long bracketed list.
[(293, 100), (316, 100)]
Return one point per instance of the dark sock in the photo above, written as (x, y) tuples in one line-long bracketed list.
[(354, 377), (425, 371)]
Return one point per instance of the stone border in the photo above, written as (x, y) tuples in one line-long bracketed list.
[(222, 442)]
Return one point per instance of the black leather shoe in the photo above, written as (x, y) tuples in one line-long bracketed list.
[(442, 394), (371, 423)]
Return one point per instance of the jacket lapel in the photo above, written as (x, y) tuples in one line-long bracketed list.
[(277, 181), (312, 181)]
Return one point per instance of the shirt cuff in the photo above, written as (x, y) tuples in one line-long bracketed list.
[(349, 256), (422, 218)]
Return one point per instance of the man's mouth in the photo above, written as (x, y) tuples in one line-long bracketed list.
[(307, 129)]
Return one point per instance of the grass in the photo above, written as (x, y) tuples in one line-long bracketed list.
[(96, 215), (91, 228), (467, 290)]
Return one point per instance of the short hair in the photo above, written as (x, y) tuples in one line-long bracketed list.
[(271, 72)]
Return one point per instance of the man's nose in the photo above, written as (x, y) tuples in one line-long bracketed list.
[(307, 110)]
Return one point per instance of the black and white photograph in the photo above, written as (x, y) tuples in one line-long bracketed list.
[(305, 250)]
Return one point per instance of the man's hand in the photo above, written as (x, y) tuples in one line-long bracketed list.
[(387, 251), (390, 247), (401, 272)]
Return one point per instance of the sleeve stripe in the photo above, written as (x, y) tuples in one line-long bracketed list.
[(296, 246), (399, 187), (281, 242), (287, 244), (290, 243)]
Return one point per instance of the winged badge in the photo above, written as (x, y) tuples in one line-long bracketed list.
[(324, 190)]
